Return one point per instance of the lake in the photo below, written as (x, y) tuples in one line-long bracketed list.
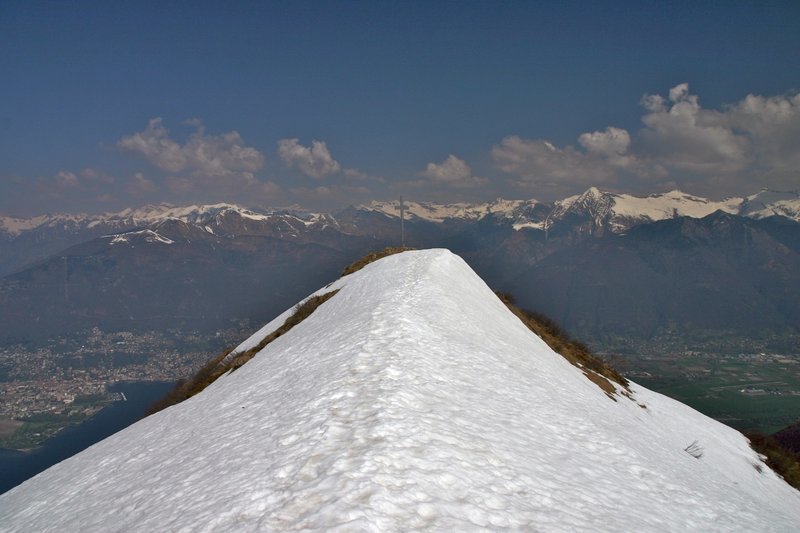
[(16, 466)]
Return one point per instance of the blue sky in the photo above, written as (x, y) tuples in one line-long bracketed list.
[(109, 104)]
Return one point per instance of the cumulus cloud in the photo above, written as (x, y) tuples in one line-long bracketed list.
[(679, 133), (314, 161), (750, 144), (604, 158), (67, 180), (453, 172), (221, 167), (355, 174), (202, 156), (772, 125)]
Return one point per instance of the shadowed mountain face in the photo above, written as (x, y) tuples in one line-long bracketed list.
[(719, 273), (789, 438), (599, 273), (177, 277)]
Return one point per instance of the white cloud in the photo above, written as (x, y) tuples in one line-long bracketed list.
[(315, 161), (203, 156), (773, 127), (65, 179), (452, 172), (750, 144), (605, 159), (358, 175), (613, 143), (682, 135), (539, 162)]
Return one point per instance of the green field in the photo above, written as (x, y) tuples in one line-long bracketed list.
[(32, 431), (747, 392)]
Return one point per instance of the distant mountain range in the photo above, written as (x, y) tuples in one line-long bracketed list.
[(603, 265)]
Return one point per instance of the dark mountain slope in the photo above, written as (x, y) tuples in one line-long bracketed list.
[(717, 273), (140, 282), (789, 438)]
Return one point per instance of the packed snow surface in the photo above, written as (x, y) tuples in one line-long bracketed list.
[(411, 400)]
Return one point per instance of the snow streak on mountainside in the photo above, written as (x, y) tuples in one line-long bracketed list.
[(146, 235), (411, 400)]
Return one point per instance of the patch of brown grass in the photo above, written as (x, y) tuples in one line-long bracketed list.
[(597, 371), (218, 366), (301, 312), (372, 257), (784, 462)]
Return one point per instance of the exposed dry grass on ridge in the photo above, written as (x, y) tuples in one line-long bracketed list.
[(598, 372), (372, 257), (212, 370), (784, 462), (301, 312)]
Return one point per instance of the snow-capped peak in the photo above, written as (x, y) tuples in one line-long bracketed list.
[(619, 212), (411, 400), (591, 192), (191, 213), (433, 212), (772, 203)]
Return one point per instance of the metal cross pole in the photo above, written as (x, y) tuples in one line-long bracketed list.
[(402, 228)]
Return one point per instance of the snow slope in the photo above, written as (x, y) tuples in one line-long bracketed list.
[(768, 203), (411, 400)]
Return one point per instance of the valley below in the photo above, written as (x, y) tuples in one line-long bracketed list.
[(69, 379)]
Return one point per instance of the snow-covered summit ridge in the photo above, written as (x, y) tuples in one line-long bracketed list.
[(411, 400)]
